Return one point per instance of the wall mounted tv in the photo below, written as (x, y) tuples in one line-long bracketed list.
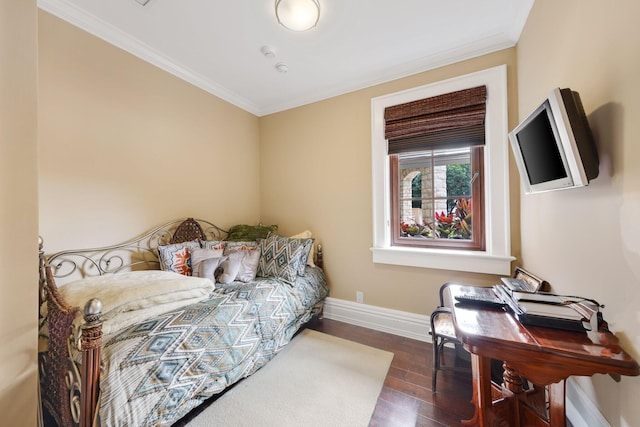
[(554, 146)]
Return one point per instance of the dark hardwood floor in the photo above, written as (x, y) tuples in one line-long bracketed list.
[(406, 398)]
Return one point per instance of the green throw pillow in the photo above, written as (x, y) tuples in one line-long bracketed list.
[(246, 233)]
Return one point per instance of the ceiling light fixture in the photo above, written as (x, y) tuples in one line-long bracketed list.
[(298, 15)]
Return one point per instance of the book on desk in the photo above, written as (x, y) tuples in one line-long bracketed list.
[(548, 310), (520, 285)]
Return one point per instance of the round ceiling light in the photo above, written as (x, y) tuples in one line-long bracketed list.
[(298, 15)]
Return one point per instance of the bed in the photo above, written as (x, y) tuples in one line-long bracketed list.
[(140, 333)]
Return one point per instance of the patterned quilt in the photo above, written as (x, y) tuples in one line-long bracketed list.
[(159, 369)]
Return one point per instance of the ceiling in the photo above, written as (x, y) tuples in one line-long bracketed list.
[(216, 45)]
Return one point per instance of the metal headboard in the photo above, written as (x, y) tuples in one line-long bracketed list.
[(140, 253)]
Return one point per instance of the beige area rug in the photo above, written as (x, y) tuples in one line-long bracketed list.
[(316, 380)]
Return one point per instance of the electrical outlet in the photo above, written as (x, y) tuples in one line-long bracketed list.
[(359, 297)]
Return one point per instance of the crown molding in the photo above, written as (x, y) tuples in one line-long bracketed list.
[(70, 13), (479, 47)]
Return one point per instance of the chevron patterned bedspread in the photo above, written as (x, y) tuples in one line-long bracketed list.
[(158, 370)]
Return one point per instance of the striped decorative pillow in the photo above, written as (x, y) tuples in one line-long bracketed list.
[(282, 257)]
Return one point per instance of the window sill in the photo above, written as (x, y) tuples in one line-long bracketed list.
[(470, 261)]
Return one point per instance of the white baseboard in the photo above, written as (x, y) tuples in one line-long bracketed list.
[(580, 409), (395, 322)]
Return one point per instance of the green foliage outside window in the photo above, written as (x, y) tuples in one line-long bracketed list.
[(458, 183)]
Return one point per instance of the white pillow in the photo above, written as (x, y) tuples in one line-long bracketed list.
[(241, 266), (208, 268), (249, 261), (230, 269), (205, 262)]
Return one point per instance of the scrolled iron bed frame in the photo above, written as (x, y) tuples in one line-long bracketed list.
[(71, 393)]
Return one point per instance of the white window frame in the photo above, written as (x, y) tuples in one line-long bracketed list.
[(496, 258)]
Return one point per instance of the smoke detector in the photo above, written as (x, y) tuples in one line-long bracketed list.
[(282, 67)]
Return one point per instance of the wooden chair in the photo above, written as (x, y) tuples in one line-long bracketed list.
[(443, 332)]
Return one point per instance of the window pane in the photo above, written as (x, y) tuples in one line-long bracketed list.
[(417, 222), (457, 222), (434, 194)]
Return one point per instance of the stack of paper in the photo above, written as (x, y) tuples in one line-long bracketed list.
[(560, 309), (550, 310)]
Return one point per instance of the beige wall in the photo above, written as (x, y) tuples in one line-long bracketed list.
[(316, 174), (125, 146), (18, 213), (587, 241)]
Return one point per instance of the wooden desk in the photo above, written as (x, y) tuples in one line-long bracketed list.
[(546, 357)]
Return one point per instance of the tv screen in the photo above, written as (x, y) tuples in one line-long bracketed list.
[(553, 146), (540, 152)]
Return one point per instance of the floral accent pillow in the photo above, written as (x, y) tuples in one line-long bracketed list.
[(240, 246), (213, 244), (177, 257)]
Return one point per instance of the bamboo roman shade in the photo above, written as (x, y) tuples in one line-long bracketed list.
[(451, 120)]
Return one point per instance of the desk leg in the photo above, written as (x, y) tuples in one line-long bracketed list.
[(557, 412), (512, 380), (482, 399)]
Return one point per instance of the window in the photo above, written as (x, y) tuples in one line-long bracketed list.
[(437, 203), (437, 198)]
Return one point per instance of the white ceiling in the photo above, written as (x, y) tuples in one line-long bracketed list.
[(216, 45)]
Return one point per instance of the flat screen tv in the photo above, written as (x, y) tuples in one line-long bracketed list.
[(554, 147)]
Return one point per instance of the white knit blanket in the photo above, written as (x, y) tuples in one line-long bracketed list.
[(130, 297)]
